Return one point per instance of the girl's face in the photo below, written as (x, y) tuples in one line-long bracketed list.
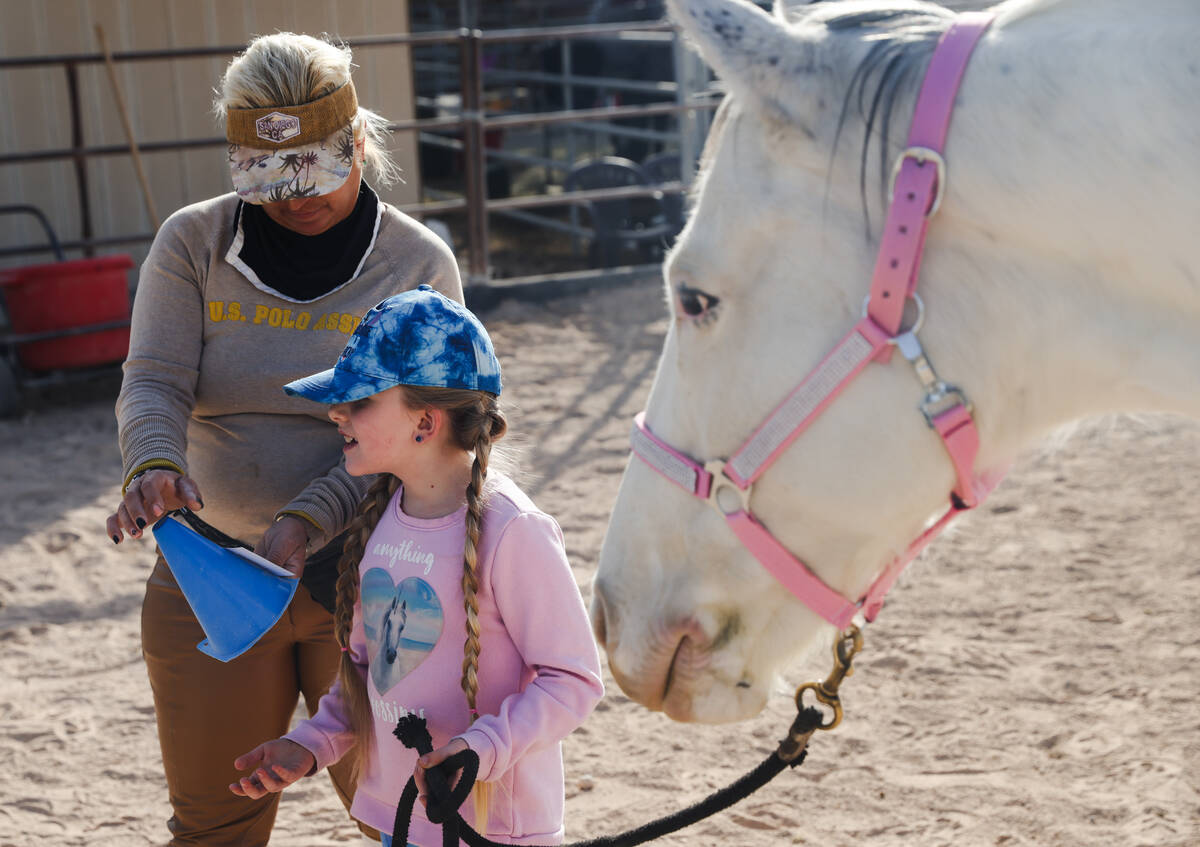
[(378, 431)]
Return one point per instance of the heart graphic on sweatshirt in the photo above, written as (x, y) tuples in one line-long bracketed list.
[(402, 624)]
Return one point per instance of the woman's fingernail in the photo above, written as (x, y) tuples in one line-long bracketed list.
[(141, 522), (116, 539)]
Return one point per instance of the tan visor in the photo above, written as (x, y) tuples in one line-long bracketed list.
[(288, 152)]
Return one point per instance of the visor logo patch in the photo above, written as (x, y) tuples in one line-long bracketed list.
[(277, 127)]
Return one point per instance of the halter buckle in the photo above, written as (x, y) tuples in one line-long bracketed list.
[(935, 403), (921, 155), (937, 390), (722, 483)]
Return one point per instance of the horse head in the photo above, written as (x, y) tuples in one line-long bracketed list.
[(393, 625), (772, 270)]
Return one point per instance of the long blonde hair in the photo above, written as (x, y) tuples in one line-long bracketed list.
[(291, 69), (476, 421)]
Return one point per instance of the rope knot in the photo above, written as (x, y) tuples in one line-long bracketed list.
[(442, 804)]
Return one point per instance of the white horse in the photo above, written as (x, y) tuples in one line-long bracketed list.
[(392, 627), (1060, 277)]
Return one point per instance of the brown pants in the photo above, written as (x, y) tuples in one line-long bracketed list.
[(211, 712)]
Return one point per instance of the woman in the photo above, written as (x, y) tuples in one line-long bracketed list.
[(239, 295)]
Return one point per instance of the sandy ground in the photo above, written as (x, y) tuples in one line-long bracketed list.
[(1032, 681)]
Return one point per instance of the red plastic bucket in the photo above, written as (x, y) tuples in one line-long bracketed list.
[(65, 296)]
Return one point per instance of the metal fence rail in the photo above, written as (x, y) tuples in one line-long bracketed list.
[(471, 123)]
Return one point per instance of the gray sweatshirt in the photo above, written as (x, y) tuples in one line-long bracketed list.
[(211, 348)]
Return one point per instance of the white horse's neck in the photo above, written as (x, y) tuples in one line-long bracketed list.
[(1071, 344)]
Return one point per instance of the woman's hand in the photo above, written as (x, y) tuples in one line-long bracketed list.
[(436, 757), (285, 543), (148, 498), (276, 765)]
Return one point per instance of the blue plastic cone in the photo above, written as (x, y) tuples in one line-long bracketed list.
[(236, 596)]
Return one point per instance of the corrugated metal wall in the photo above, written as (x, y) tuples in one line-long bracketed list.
[(167, 100)]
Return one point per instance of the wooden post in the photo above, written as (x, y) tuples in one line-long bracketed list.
[(133, 147)]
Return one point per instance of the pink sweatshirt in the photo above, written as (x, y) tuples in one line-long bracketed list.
[(539, 671)]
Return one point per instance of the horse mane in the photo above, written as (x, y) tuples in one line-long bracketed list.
[(902, 40)]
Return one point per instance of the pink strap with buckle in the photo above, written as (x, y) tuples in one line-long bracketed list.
[(917, 185)]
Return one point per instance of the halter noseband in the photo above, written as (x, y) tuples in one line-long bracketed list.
[(918, 183)]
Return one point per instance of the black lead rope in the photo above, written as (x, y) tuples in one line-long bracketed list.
[(443, 804)]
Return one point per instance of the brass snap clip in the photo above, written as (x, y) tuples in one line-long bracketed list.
[(848, 644)]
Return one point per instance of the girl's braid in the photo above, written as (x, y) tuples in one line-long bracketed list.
[(490, 425), (470, 578), (370, 510)]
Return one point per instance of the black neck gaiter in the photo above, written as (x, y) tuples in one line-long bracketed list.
[(305, 267)]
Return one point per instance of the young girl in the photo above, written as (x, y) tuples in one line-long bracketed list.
[(439, 549)]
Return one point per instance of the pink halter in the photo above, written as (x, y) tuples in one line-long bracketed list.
[(918, 183)]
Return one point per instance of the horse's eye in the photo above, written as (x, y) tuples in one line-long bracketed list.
[(693, 302)]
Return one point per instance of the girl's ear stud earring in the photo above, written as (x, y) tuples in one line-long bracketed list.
[(420, 438)]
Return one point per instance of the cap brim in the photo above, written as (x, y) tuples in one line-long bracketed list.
[(336, 386)]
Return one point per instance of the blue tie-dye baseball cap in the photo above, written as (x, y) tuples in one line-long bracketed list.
[(420, 337)]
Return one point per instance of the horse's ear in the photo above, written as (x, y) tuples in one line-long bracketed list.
[(761, 58)]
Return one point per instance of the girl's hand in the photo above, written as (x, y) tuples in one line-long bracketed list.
[(285, 543), (148, 498), (276, 764), (456, 745)]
